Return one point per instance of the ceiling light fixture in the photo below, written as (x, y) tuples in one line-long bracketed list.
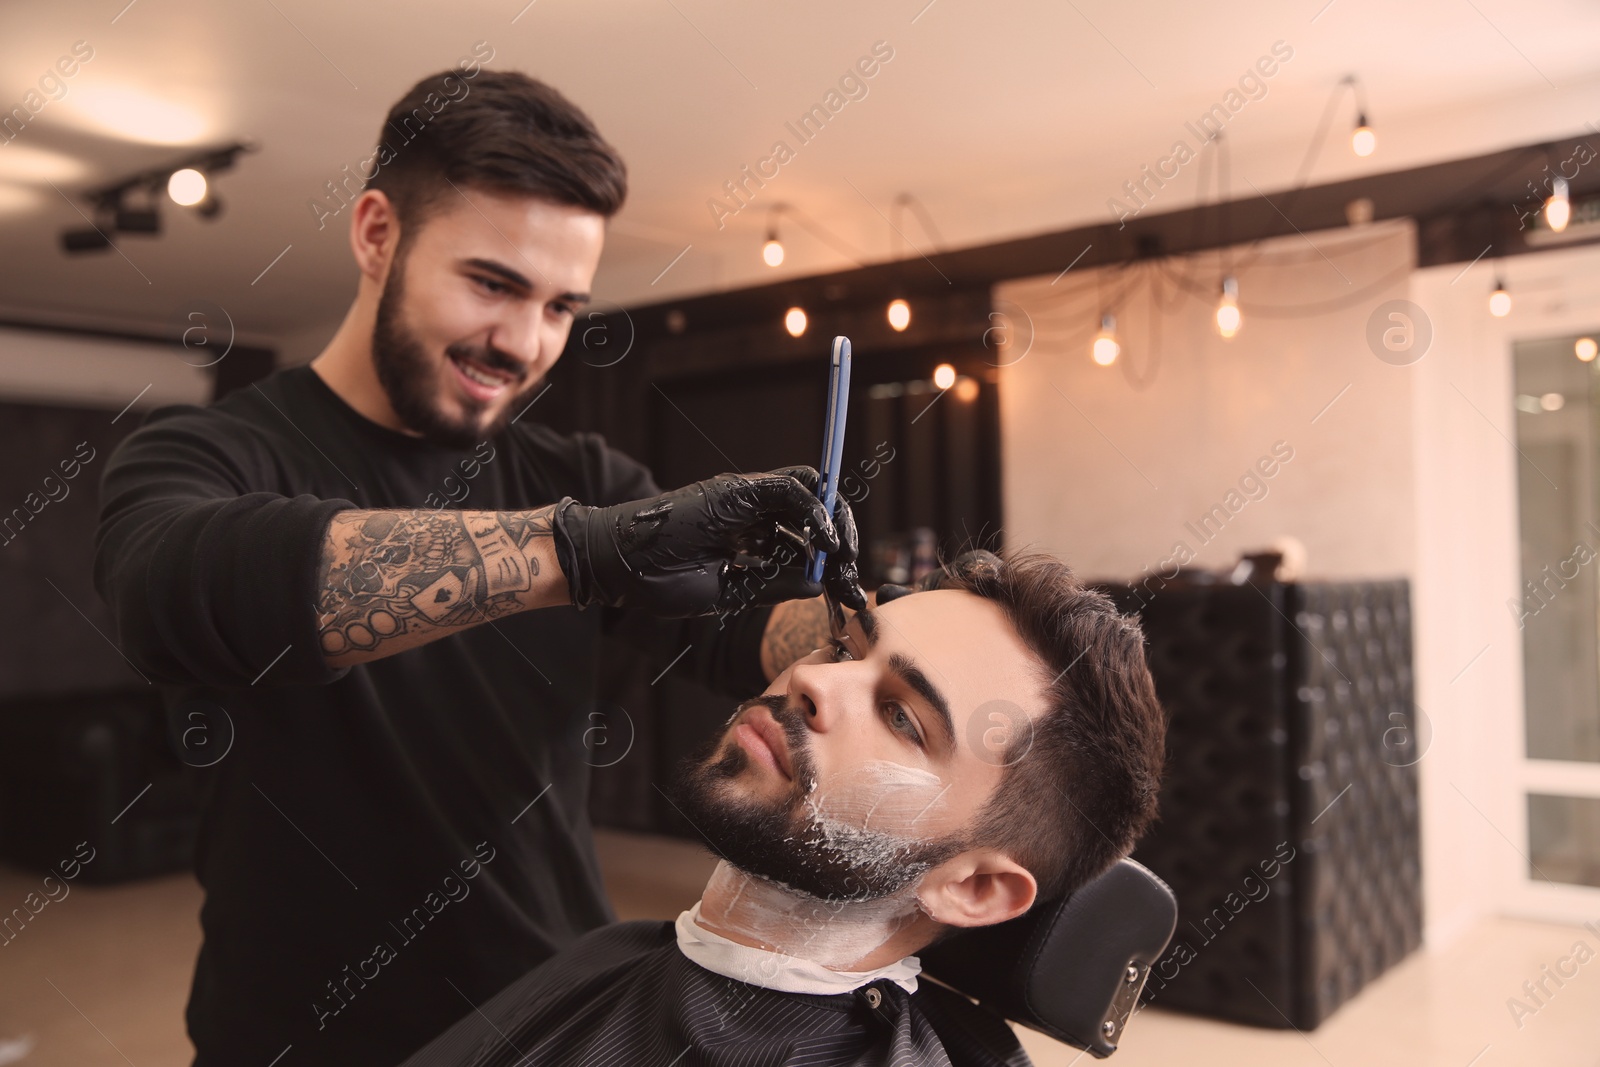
[(186, 182), (1105, 348), (772, 249), (1558, 208), (1499, 300), (1363, 142), (187, 187), (1228, 318), (1363, 139)]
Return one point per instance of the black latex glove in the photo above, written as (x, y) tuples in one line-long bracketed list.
[(673, 555)]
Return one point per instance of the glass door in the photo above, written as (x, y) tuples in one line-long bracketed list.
[(1557, 386)]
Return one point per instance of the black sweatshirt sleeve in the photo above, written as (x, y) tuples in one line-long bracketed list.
[(723, 655), (211, 581)]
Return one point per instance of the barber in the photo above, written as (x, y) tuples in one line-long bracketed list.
[(396, 693)]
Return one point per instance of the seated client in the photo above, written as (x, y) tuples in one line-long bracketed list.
[(986, 742)]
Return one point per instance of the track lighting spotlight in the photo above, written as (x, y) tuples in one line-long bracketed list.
[(186, 187)]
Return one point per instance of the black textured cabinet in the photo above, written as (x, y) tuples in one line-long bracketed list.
[(1289, 825)]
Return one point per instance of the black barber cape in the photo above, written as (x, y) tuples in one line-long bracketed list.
[(379, 844), (627, 995)]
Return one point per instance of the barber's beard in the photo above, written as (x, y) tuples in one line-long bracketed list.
[(784, 839), (415, 384)]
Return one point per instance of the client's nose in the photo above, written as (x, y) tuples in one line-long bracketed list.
[(812, 696)]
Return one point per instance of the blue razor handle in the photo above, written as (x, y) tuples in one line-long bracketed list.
[(832, 440)]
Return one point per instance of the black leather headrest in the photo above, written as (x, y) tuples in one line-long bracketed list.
[(1070, 968)]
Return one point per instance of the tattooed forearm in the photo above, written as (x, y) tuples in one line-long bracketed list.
[(794, 630), (392, 580)]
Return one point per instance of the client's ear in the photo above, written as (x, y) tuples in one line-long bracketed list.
[(980, 887)]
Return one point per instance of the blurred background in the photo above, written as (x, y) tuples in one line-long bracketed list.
[(1277, 319)]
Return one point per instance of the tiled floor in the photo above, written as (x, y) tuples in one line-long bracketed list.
[(100, 978)]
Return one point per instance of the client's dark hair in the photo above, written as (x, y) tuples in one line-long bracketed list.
[(1080, 787), (496, 130)]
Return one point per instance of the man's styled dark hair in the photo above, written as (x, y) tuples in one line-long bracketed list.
[(500, 131), (1079, 784)]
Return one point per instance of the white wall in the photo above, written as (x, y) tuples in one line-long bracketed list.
[(46, 367), (1114, 477), (1409, 473)]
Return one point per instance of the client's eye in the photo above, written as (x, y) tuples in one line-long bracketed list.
[(839, 653), (900, 719)]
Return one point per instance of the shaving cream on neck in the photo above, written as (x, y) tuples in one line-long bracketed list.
[(866, 819)]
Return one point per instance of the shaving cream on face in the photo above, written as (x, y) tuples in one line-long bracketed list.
[(867, 818), (880, 796)]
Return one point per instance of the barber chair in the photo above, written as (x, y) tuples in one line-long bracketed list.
[(1071, 968)]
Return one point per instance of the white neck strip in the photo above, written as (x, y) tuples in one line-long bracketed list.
[(776, 970)]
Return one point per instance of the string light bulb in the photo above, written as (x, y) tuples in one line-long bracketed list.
[(187, 187), (794, 320), (772, 251), (1228, 318), (1105, 349), (1499, 300), (1586, 349), (944, 376), (1363, 141), (1558, 208), (899, 315)]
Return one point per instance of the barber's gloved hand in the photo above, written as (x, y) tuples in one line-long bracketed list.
[(673, 555)]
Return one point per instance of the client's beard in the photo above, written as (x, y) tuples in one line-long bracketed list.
[(413, 384), (788, 840)]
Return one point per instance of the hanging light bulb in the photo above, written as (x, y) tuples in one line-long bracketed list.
[(187, 187), (794, 320), (1499, 300), (772, 251), (1228, 318), (1586, 349), (944, 376), (899, 315), (1363, 141), (1558, 209), (1105, 348)]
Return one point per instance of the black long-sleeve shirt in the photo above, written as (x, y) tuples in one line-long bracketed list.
[(381, 844)]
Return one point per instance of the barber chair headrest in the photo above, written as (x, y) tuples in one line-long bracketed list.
[(1070, 968)]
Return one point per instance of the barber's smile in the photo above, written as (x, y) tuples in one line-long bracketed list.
[(479, 381), (761, 736)]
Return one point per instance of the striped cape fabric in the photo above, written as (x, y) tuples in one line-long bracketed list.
[(626, 994)]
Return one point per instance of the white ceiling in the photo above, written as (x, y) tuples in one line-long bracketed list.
[(1004, 119)]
